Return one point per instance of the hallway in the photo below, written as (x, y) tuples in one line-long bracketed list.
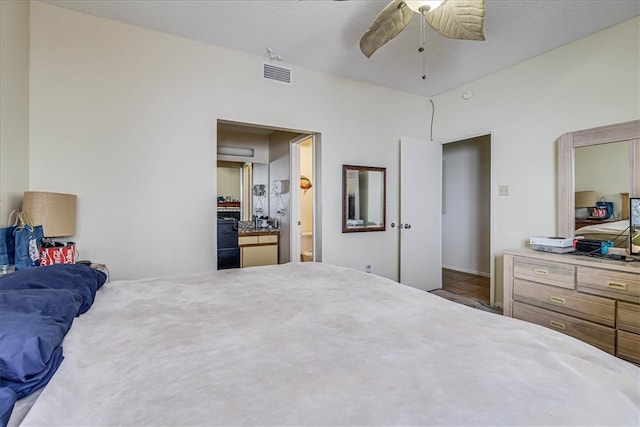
[(467, 285)]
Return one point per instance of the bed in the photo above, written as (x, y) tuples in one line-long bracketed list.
[(616, 231), (318, 344)]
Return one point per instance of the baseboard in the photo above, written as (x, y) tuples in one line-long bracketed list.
[(466, 270)]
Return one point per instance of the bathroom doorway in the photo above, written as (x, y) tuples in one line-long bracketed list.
[(302, 199)]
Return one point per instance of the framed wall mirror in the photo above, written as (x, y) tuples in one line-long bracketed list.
[(627, 132), (363, 198)]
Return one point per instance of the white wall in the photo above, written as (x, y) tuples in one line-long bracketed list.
[(14, 105), (280, 170), (128, 116), (591, 82)]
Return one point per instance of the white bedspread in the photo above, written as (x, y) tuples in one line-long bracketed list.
[(315, 344), (615, 228)]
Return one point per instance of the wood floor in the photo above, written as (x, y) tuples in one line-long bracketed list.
[(467, 285)]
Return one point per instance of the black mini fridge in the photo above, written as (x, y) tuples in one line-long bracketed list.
[(228, 250)]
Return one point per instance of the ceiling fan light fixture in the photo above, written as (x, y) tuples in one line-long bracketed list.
[(456, 19), (428, 5)]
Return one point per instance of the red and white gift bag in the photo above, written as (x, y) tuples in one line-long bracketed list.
[(58, 255)]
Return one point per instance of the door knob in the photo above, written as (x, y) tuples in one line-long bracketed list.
[(393, 224), (407, 226)]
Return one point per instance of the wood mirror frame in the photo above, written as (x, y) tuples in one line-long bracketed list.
[(628, 131), (379, 200)]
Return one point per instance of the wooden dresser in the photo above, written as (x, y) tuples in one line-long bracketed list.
[(593, 300)]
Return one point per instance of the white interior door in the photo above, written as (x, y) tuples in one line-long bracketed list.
[(420, 225)]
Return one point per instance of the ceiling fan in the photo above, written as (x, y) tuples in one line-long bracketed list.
[(456, 19)]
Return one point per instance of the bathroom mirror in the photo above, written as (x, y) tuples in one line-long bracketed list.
[(236, 184), (363, 198), (569, 142)]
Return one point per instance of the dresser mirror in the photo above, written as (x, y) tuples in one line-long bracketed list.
[(363, 198), (595, 180), (627, 133)]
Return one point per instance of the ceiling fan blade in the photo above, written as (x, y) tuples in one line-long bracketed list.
[(388, 24), (458, 19)]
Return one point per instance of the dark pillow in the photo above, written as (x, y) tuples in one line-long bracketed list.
[(33, 323), (37, 308), (82, 279), (7, 399)]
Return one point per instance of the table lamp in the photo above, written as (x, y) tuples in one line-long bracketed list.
[(585, 201), (56, 212)]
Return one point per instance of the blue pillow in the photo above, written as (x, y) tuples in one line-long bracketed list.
[(37, 308), (33, 323), (7, 400), (82, 279)]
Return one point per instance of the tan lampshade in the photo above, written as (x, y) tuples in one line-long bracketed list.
[(586, 199), (56, 212)]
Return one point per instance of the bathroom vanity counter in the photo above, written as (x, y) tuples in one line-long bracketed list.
[(258, 247), (257, 232)]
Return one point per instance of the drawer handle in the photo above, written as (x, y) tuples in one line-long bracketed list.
[(540, 271), (557, 300), (557, 325), (618, 286)]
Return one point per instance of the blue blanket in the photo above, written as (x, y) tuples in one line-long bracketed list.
[(37, 308)]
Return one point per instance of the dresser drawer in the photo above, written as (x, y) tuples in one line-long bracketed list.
[(613, 284), (597, 335), (547, 272), (629, 317), (584, 306), (628, 346)]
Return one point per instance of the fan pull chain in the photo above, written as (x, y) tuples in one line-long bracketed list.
[(423, 42)]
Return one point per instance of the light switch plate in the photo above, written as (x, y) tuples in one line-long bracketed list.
[(503, 190)]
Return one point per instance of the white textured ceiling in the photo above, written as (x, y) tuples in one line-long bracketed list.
[(323, 35)]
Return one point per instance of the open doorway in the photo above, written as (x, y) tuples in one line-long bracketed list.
[(466, 218), (302, 199), (271, 191)]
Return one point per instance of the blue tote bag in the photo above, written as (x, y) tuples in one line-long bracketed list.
[(7, 241), (28, 240), (7, 245)]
